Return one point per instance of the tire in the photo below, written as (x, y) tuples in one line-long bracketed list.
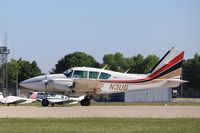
[(85, 102), (45, 102)]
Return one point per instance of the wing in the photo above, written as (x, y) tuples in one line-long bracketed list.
[(87, 86), (17, 100), (27, 101), (2, 101)]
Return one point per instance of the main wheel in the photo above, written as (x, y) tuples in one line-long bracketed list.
[(85, 102), (45, 102)]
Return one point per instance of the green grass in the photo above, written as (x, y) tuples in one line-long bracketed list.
[(99, 125)]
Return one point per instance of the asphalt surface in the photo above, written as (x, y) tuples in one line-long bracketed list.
[(100, 111)]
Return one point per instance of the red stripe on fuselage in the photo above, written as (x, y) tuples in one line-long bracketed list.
[(171, 63)]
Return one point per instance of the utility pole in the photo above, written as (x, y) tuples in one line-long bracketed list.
[(182, 84), (4, 51), (17, 73), (17, 81)]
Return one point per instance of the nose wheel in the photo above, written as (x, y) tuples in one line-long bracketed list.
[(85, 102), (45, 102)]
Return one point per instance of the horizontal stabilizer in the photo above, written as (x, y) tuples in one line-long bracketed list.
[(177, 80)]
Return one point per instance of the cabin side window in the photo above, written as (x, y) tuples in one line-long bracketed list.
[(104, 76), (93, 75), (80, 74)]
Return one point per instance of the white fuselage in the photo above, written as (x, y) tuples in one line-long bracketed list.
[(62, 83)]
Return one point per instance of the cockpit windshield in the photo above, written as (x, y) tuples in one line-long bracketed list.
[(68, 73)]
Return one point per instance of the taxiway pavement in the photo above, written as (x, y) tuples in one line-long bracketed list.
[(100, 111)]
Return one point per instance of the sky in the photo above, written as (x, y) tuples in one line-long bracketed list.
[(46, 30)]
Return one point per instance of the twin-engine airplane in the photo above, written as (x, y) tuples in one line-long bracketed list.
[(87, 81)]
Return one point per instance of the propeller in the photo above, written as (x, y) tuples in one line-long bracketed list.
[(46, 81), (45, 84)]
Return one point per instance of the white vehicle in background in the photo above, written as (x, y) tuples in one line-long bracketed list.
[(39, 95), (16, 100), (90, 81)]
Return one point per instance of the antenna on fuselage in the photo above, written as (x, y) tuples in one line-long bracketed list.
[(127, 70), (104, 67)]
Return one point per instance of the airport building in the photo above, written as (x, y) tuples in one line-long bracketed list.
[(150, 95)]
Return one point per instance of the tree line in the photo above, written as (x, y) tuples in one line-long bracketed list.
[(116, 62), (21, 70)]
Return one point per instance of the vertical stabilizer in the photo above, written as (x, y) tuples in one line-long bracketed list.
[(170, 65), (1, 95)]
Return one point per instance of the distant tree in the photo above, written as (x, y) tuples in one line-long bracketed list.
[(149, 62), (25, 70), (191, 73), (13, 67), (136, 64), (116, 62), (122, 64), (74, 60)]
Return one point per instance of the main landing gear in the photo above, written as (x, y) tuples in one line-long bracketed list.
[(85, 101), (45, 102)]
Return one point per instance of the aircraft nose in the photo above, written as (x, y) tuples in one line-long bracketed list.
[(35, 83)]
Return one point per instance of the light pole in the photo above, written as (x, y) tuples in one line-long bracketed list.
[(17, 81), (182, 85)]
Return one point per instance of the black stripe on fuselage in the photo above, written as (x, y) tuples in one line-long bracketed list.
[(159, 62), (173, 68)]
